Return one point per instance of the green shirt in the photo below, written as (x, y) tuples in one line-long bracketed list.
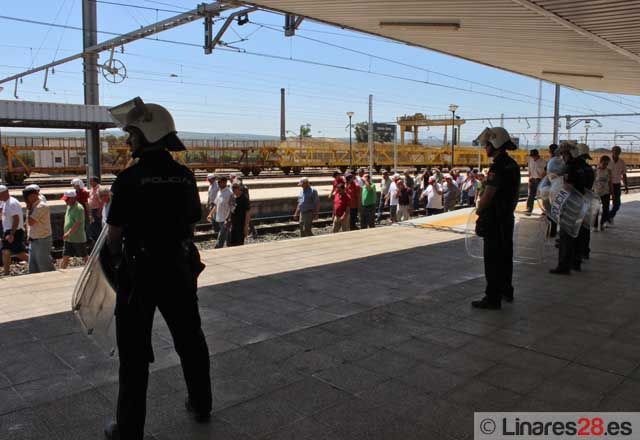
[(369, 195), (75, 213)]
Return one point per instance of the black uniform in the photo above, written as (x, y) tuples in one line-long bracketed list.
[(580, 176), (584, 238), (156, 202), (504, 176), (238, 215)]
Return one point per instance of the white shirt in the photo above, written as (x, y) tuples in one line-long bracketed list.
[(223, 204), (536, 168), (11, 207), (617, 170), (434, 200), (393, 194), (359, 181), (213, 192)]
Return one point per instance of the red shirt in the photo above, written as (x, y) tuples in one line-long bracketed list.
[(354, 192), (340, 203), (337, 181)]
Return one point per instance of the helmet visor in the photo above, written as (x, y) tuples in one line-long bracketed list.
[(129, 112)]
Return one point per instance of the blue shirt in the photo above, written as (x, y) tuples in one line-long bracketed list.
[(307, 199)]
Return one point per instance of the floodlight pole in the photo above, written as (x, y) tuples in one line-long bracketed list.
[(370, 136), (91, 88), (556, 115)]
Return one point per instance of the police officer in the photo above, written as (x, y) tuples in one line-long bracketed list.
[(495, 217), (584, 237), (156, 264), (580, 176)]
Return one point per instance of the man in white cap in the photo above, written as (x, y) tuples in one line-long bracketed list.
[(13, 227), (391, 198), (36, 188), (75, 236), (157, 265), (307, 208), (38, 232)]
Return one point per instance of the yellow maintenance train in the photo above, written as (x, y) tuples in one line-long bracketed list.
[(22, 157)]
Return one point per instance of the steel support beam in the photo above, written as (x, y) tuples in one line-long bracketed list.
[(291, 23), (144, 32), (556, 114), (210, 45), (91, 87)]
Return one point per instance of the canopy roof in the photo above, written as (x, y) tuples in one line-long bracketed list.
[(585, 44)]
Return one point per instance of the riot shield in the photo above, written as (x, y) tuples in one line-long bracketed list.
[(94, 298), (528, 238), (569, 209)]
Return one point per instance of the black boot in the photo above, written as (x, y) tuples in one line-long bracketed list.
[(560, 271), (486, 303), (198, 416), (111, 431)]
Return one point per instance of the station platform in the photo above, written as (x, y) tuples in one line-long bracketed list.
[(359, 335)]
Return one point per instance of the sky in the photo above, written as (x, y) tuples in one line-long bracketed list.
[(233, 92)]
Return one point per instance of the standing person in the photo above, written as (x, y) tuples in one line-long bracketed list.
[(360, 177), (555, 167), (569, 256), (75, 236), (385, 183), (221, 211), (308, 207), (38, 232), (369, 192), (341, 211), (355, 193), (404, 201), (618, 169), (240, 218), (157, 265), (337, 180), (603, 187), (95, 205), (584, 237), (433, 194), (105, 197), (451, 193), (409, 181), (536, 166), (496, 220), (82, 197), (469, 187), (212, 193), (13, 227), (392, 198)]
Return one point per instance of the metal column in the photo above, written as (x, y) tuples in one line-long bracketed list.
[(370, 136), (91, 90), (283, 131), (556, 114)]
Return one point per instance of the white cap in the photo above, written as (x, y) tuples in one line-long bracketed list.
[(32, 187), (447, 176), (303, 180), (3, 188), (70, 193), (211, 176), (77, 181), (432, 179)]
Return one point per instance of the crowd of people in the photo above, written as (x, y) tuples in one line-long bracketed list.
[(85, 214)]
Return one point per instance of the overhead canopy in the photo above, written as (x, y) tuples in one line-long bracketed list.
[(585, 44), (53, 115)]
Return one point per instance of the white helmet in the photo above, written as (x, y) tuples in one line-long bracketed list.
[(583, 150), (497, 137), (153, 120), (570, 147)]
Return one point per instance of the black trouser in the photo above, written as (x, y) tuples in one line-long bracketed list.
[(236, 236), (498, 260), (175, 296), (583, 242), (533, 190), (568, 255), (368, 217), (353, 219), (617, 193)]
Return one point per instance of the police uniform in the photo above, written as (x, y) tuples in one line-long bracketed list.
[(504, 176), (570, 249), (156, 202), (584, 237)]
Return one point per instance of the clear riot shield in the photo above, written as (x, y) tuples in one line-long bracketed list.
[(569, 209), (94, 299), (528, 238), (593, 208)]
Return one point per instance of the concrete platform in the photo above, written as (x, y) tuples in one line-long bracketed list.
[(359, 335)]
